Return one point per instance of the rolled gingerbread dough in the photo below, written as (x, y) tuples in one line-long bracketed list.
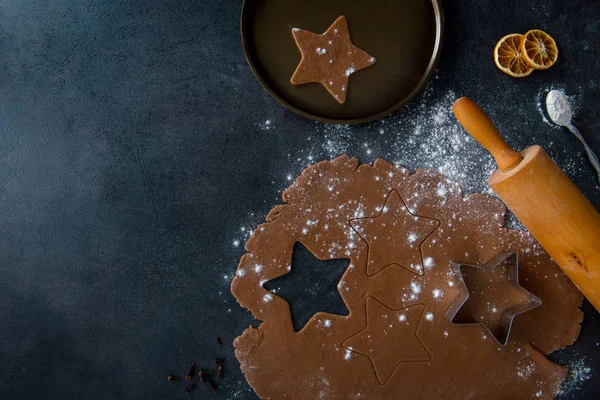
[(401, 232)]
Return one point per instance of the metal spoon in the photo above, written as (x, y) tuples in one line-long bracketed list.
[(559, 111)]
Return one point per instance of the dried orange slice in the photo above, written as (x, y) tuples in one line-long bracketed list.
[(508, 56), (539, 49)]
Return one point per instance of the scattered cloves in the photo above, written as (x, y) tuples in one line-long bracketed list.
[(191, 372), (190, 388), (205, 374)]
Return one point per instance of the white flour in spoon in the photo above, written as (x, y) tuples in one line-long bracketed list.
[(558, 108)]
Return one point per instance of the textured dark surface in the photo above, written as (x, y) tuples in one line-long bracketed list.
[(134, 147)]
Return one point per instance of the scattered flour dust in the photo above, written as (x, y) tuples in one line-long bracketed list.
[(579, 373), (236, 389), (429, 262), (348, 354), (415, 287), (425, 134), (266, 125), (267, 298)]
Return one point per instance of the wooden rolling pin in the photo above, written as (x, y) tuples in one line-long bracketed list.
[(539, 193)]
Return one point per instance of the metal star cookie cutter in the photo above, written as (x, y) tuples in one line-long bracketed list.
[(507, 317)]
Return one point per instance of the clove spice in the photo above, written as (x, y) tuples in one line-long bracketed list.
[(191, 371), (220, 371), (173, 378), (218, 340), (205, 374)]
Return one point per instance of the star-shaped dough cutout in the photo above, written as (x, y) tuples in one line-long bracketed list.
[(329, 59), (395, 236), (389, 338)]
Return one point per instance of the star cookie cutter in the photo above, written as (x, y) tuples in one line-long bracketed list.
[(507, 317)]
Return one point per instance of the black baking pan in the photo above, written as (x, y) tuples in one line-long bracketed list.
[(404, 36)]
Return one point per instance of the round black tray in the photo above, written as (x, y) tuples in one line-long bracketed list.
[(405, 37)]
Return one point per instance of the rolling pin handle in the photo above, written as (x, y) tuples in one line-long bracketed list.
[(479, 125)]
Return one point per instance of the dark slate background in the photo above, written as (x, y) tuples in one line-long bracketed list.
[(134, 151)]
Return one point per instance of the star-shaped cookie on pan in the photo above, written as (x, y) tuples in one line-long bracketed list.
[(329, 59)]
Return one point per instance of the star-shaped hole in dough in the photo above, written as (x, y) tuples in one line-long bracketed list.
[(395, 236), (329, 59), (389, 338), (311, 286)]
